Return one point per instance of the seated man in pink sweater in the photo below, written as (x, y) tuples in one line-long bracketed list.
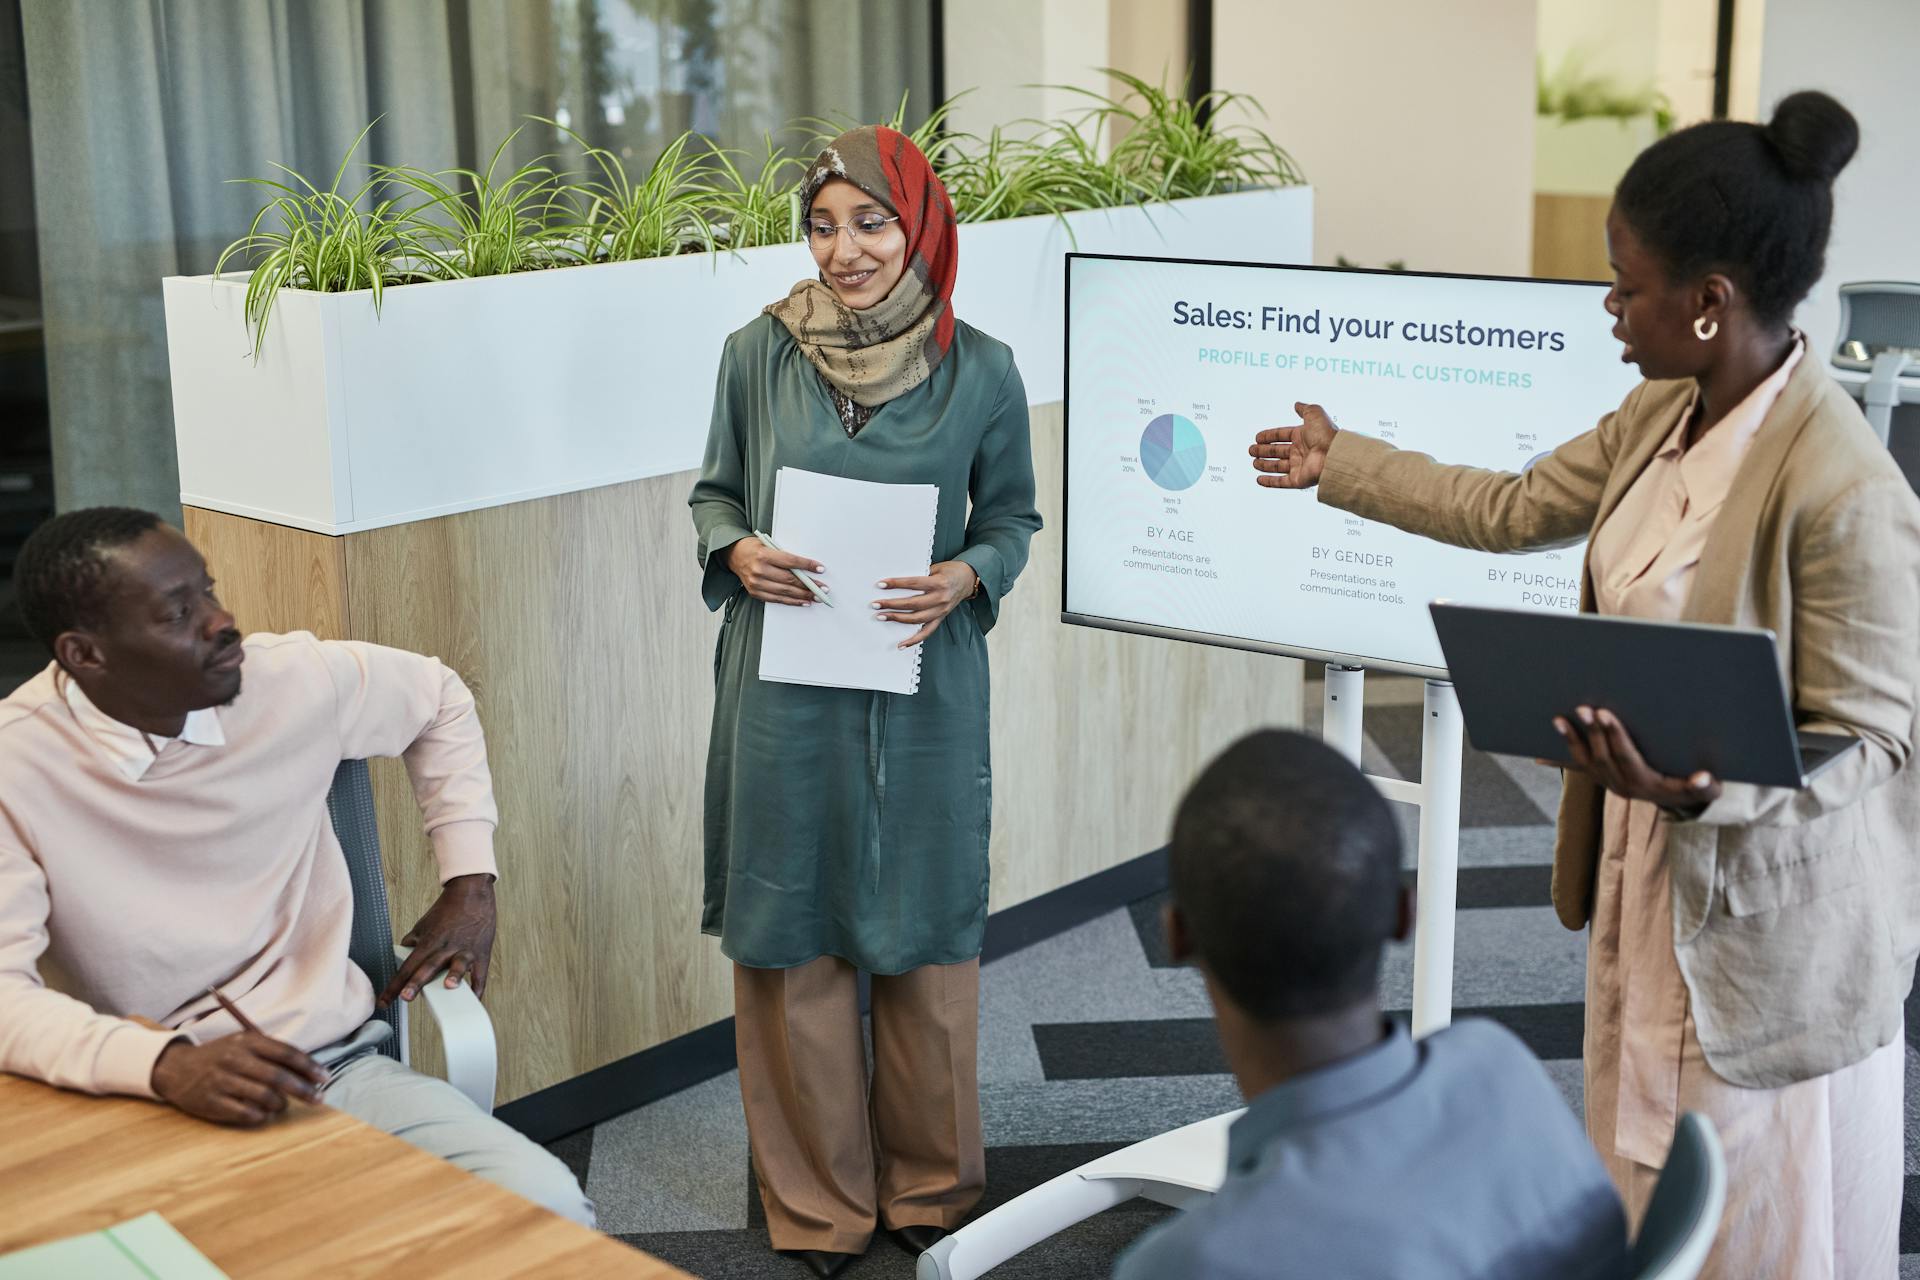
[(163, 831)]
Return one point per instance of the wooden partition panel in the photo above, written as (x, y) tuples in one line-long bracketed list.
[(1570, 237), (578, 623), (272, 577)]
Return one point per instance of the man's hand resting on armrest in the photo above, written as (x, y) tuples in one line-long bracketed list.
[(456, 934), (242, 1079)]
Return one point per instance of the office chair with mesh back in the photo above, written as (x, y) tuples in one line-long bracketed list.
[(466, 1032), (1684, 1214), (1880, 336)]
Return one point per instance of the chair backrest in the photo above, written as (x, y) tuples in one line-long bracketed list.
[(1684, 1213), (350, 805)]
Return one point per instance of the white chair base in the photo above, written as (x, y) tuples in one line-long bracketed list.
[(1174, 1168)]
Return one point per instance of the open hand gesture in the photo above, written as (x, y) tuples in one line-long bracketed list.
[(1293, 457)]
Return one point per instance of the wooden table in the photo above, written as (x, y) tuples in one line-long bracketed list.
[(316, 1193)]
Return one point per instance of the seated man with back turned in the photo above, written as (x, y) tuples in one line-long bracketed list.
[(163, 833), (1363, 1154)]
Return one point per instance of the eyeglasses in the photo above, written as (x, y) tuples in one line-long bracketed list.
[(865, 229)]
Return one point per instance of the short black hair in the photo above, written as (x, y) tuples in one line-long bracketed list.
[(1753, 202), (60, 576), (1286, 872)]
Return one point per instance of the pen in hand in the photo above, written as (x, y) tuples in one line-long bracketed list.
[(806, 580), (299, 1076), (246, 1023)]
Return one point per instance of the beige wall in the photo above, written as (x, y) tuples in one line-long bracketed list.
[(1003, 49), (1413, 122)]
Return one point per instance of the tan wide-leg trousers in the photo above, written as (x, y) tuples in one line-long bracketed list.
[(835, 1155)]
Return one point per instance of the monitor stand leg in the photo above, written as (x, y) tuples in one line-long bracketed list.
[(1438, 796), (1440, 757)]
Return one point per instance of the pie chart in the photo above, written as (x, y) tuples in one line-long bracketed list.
[(1173, 452)]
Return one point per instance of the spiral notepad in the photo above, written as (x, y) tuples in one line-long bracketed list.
[(862, 532)]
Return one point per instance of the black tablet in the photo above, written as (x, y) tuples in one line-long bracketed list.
[(1693, 696)]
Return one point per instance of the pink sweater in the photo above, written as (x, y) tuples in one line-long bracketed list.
[(218, 866)]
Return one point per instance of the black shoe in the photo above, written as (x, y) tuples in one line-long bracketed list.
[(917, 1239), (819, 1261)]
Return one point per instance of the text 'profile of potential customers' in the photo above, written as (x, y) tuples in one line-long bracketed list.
[(1172, 367)]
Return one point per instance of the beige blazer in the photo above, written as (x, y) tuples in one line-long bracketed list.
[(1796, 914)]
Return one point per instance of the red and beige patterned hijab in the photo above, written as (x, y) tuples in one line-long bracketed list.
[(875, 355)]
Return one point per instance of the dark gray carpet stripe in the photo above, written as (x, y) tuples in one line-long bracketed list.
[(1491, 887), (575, 1151), (1910, 1218), (1498, 800), (1479, 888), (1189, 1047), (1085, 1250)]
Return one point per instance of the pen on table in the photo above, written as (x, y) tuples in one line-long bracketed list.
[(819, 592)]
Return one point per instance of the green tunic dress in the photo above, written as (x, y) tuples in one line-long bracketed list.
[(847, 822)]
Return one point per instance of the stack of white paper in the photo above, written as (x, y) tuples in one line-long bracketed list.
[(862, 532)]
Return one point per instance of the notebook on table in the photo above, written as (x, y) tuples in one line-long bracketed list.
[(862, 531), (142, 1248)]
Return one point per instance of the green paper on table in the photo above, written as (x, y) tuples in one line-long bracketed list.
[(142, 1248)]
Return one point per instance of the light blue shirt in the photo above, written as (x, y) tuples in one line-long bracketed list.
[(1454, 1157)]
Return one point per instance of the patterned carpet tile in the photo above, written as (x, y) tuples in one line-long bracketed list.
[(1479, 888), (1497, 800), (1087, 1249), (1189, 1046)]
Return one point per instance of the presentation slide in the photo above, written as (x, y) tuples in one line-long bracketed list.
[(1173, 366)]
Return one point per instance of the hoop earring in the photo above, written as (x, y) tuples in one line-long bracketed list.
[(1704, 330)]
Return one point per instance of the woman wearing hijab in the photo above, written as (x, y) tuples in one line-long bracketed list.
[(846, 830), (1748, 948)]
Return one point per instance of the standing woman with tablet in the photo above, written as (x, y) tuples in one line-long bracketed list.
[(1750, 947), (846, 830)]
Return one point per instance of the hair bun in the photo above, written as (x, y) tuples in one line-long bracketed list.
[(1813, 136)]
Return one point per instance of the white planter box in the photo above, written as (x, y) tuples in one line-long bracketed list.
[(475, 393), (1586, 157)]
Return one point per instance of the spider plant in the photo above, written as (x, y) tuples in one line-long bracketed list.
[(1573, 92), (764, 209), (498, 224), (329, 241), (619, 219), (1171, 148), (1012, 177)]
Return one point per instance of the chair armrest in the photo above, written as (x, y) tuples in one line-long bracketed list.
[(466, 1032)]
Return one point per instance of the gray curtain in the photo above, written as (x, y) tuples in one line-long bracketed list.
[(141, 113)]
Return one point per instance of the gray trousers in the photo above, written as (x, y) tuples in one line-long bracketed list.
[(437, 1118)]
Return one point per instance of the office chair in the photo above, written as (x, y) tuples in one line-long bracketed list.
[(465, 1030), (1189, 1164), (1880, 336), (1684, 1213)]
